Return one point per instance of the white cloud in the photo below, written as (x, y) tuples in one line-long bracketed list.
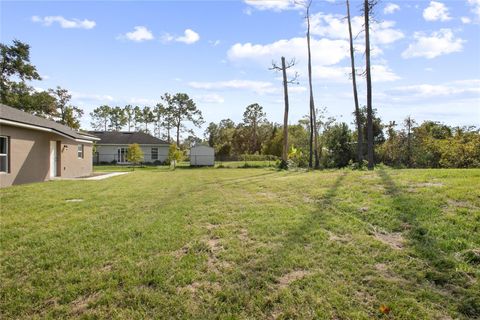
[(380, 73), (296, 89), (437, 44), (466, 20), (324, 51), (259, 87), (451, 89), (65, 23), (275, 5), (91, 97), (214, 43), (189, 37), (142, 101), (139, 34), (436, 11), (391, 8), (335, 26), (210, 98), (476, 7)]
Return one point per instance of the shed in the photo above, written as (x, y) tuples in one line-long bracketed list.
[(201, 155)]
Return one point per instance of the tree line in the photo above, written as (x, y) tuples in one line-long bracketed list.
[(428, 145), (169, 115)]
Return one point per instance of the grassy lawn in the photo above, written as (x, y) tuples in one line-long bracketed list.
[(186, 164), (244, 244)]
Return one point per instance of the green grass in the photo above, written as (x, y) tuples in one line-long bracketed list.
[(244, 244), (186, 164)]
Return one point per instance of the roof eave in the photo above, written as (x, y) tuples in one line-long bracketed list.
[(46, 129)]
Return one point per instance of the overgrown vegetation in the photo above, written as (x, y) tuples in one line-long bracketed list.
[(428, 145), (246, 243)]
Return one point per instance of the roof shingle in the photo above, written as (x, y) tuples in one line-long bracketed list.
[(21, 117), (121, 137)]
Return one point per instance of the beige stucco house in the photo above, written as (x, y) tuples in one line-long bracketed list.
[(35, 149)]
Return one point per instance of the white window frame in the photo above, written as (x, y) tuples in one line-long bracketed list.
[(122, 155), (6, 155), (80, 151), (156, 152)]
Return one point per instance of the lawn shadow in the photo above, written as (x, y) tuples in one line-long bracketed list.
[(261, 269), (442, 271)]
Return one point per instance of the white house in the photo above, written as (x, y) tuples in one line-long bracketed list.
[(113, 146), (202, 155)]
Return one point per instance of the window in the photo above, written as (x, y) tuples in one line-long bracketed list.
[(154, 153), (4, 154), (80, 151), (122, 155)]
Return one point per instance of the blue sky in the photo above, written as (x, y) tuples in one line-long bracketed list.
[(426, 55)]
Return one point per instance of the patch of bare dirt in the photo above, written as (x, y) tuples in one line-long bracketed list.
[(338, 238), (181, 252), (210, 226), (428, 185), (290, 277), (214, 244), (381, 267), (243, 235), (80, 305), (268, 195), (384, 270), (106, 267), (460, 204), (365, 297), (213, 263), (395, 239), (309, 200), (201, 285)]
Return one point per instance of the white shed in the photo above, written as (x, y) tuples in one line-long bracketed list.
[(202, 155)]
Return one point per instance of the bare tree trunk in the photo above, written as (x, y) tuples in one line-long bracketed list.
[(254, 136), (371, 163), (409, 124), (178, 136), (355, 93), (313, 126), (315, 138), (285, 115)]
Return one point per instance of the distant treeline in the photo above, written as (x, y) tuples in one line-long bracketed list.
[(410, 145)]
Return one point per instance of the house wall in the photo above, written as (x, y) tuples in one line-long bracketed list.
[(30, 156), (109, 153)]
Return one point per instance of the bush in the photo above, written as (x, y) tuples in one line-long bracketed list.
[(358, 166), (296, 158)]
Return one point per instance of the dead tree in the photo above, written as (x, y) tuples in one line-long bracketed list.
[(284, 68), (355, 93), (313, 127), (368, 6), (409, 123)]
